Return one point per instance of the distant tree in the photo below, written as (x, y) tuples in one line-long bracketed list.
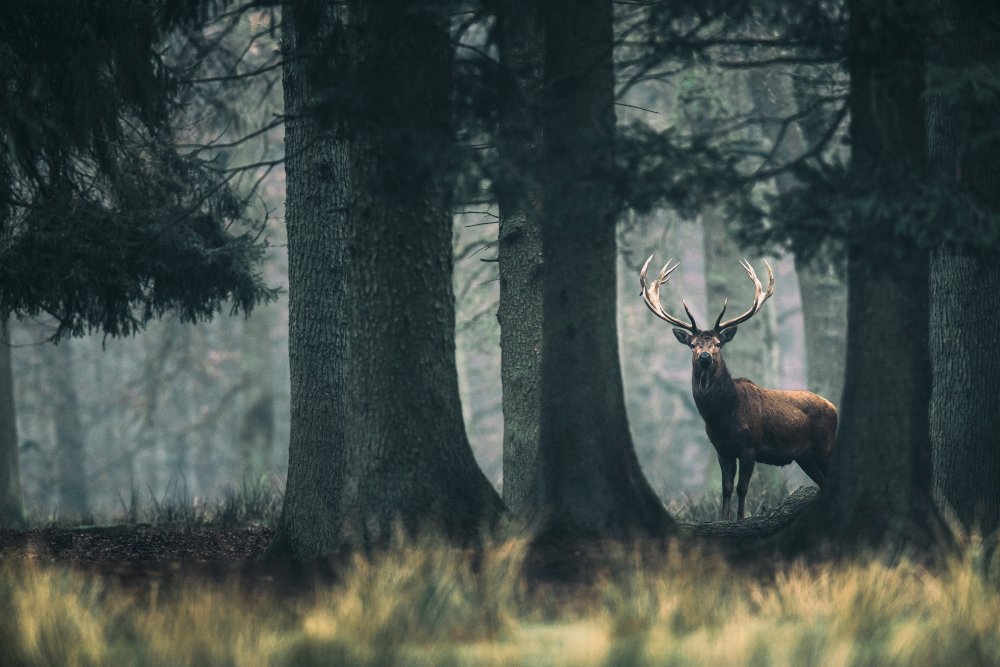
[(257, 428), (963, 98), (70, 453), (585, 480), (377, 433), (11, 507), (107, 225), (777, 98)]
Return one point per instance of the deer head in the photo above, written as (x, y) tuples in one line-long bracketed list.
[(706, 345)]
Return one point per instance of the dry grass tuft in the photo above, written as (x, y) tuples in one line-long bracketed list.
[(427, 604)]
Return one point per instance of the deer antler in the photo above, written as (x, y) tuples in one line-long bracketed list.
[(651, 295), (759, 297)]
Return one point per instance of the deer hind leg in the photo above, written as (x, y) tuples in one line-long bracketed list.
[(746, 472), (728, 465), (812, 467)]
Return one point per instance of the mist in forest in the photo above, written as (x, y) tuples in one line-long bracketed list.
[(187, 413)]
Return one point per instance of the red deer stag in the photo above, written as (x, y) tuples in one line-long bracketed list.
[(745, 422)]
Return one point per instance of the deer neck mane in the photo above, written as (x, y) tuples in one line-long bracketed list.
[(714, 389)]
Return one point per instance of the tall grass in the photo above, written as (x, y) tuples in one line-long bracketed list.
[(427, 604)]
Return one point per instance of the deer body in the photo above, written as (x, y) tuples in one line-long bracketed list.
[(748, 424)]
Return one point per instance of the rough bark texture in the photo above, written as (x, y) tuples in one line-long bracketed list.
[(879, 484), (588, 482), (377, 433), (822, 291), (317, 186), (257, 428), (965, 285), (11, 509), (521, 41), (65, 410)]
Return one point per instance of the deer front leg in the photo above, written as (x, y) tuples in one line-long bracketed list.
[(728, 465), (746, 472)]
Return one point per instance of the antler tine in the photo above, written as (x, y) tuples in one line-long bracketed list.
[(770, 283), (759, 296), (725, 303), (688, 311), (651, 294)]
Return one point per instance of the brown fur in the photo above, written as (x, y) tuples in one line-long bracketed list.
[(749, 424)]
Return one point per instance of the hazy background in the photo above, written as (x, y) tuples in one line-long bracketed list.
[(189, 412)]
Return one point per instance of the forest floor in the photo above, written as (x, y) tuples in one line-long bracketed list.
[(168, 594), (135, 551)]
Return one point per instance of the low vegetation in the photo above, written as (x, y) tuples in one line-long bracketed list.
[(426, 604)]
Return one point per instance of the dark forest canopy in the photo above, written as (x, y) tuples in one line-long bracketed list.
[(808, 44), (107, 225)]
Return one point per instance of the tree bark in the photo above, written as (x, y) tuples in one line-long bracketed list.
[(521, 40), (317, 190), (588, 483), (965, 283), (878, 492), (377, 434), (11, 509)]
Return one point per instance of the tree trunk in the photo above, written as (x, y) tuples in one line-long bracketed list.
[(377, 434), (65, 411), (588, 483), (878, 491), (824, 316), (521, 40), (11, 510), (965, 284), (257, 428), (11, 507), (822, 291)]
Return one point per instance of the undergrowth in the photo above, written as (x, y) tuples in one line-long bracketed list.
[(252, 503), (427, 604)]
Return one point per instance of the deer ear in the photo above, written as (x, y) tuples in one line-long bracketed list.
[(682, 336), (727, 334)]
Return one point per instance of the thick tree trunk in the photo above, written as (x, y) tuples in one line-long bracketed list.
[(11, 509), (521, 40), (257, 427), (377, 433), (965, 285), (588, 482), (318, 186), (65, 411), (878, 492)]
